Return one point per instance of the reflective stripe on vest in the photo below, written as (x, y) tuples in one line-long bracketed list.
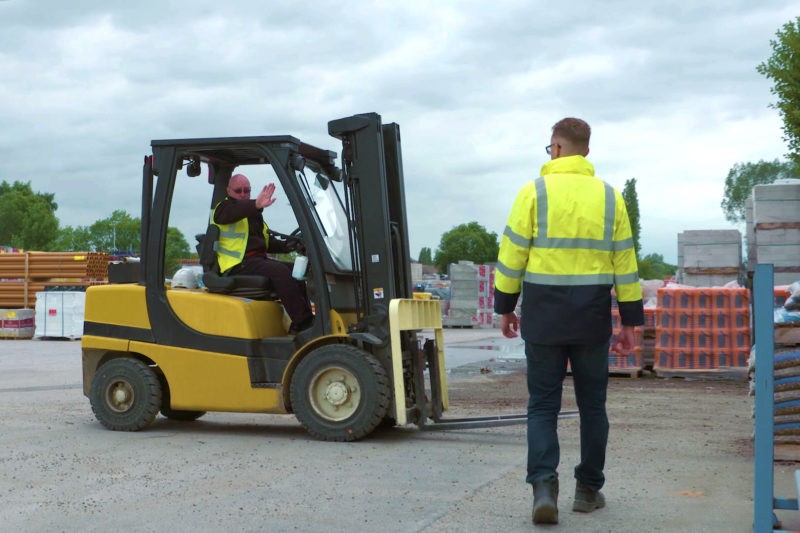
[(606, 244), (228, 231), (232, 243)]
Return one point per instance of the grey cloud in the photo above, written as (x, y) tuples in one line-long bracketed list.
[(85, 85)]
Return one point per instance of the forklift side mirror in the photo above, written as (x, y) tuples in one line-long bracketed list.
[(193, 169), (298, 162), (322, 182)]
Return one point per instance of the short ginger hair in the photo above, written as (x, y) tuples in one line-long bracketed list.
[(575, 131)]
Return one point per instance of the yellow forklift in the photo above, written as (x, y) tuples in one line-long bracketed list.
[(373, 356)]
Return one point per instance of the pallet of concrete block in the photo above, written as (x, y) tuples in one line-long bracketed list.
[(776, 221), (460, 318), (463, 308), (751, 255), (16, 323), (709, 258)]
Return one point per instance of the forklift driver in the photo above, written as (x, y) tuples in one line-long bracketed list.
[(244, 242)]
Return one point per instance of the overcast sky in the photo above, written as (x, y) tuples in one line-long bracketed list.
[(669, 88)]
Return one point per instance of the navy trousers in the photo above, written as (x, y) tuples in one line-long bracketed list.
[(291, 292), (547, 368)]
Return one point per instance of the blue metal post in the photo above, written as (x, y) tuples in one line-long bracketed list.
[(764, 475)]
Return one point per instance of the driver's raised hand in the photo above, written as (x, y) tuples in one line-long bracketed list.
[(265, 198)]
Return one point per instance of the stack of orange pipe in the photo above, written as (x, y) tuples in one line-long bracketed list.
[(24, 274)]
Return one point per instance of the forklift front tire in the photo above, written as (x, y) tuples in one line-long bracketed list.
[(125, 394), (340, 393)]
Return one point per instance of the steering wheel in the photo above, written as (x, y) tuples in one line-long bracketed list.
[(294, 239)]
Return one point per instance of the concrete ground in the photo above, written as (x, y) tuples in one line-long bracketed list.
[(680, 459)]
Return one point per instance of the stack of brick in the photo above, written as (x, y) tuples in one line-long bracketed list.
[(776, 229), (486, 296), (709, 258), (702, 330), (648, 330), (633, 361)]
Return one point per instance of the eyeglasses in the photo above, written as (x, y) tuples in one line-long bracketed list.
[(240, 190), (549, 147)]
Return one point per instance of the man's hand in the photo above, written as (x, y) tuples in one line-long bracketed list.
[(624, 344), (264, 198), (509, 325)]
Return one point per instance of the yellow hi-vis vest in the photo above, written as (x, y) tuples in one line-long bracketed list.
[(232, 243), (568, 228)]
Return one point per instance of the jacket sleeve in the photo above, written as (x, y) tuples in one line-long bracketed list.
[(626, 270), (230, 210), (512, 258)]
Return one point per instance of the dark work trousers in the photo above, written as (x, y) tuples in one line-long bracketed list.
[(292, 292), (547, 368)]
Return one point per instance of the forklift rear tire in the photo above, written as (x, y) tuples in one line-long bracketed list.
[(125, 394), (184, 416), (340, 393)]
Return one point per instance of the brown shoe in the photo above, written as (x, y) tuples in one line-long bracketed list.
[(587, 500), (545, 501)]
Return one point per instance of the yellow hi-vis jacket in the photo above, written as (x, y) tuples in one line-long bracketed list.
[(568, 240), (232, 242)]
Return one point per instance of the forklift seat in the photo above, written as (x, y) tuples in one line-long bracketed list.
[(245, 286)]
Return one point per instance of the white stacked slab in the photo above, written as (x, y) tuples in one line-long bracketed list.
[(463, 309), (776, 219), (709, 258), (750, 235), (777, 202), (416, 270)]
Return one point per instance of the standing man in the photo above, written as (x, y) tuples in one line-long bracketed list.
[(245, 240), (567, 242)]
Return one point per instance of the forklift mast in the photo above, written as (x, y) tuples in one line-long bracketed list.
[(372, 171)]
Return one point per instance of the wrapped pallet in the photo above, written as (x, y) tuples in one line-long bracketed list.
[(59, 314), (16, 323)]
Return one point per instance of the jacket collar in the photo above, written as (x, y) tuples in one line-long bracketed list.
[(573, 164)]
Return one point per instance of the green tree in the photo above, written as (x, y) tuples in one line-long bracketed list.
[(69, 239), (652, 266), (27, 218), (632, 205), (176, 249), (425, 256), (119, 232), (783, 68), (470, 242), (744, 176)]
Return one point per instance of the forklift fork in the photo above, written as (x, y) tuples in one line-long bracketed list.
[(428, 358)]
